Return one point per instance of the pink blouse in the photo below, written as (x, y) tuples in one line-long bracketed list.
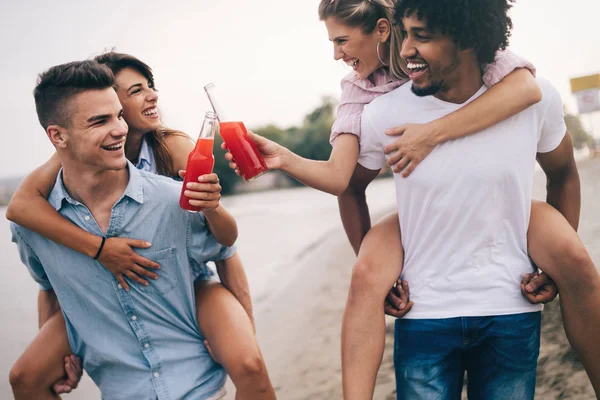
[(357, 92)]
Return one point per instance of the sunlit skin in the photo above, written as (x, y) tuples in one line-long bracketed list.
[(435, 62), (357, 49), (96, 134), (139, 100)]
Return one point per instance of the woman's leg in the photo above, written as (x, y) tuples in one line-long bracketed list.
[(42, 363), (557, 250), (377, 268), (230, 333)]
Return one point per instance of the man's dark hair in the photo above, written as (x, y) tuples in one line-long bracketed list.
[(481, 25), (56, 86)]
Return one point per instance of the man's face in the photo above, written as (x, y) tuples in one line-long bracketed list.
[(97, 132), (432, 58)]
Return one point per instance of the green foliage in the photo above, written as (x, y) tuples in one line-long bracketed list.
[(227, 177), (310, 140)]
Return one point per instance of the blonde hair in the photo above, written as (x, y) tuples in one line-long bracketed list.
[(365, 14)]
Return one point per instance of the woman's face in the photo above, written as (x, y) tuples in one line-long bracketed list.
[(139, 100), (354, 47)]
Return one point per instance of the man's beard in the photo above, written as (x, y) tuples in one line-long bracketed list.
[(428, 90)]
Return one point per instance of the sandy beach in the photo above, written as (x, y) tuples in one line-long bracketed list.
[(299, 280)]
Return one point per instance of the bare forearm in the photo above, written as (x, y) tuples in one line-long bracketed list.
[(29, 208), (331, 176), (47, 306), (222, 225), (321, 175), (562, 180), (355, 216), (565, 196), (516, 92), (233, 277), (47, 222), (353, 206)]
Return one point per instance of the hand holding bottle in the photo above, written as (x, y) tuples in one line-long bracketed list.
[(249, 163), (200, 162), (272, 153), (205, 193)]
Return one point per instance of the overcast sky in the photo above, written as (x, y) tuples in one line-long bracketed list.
[(271, 58)]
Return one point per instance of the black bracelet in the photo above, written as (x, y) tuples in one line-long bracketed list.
[(100, 249)]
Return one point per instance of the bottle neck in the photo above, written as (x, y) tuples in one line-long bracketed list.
[(209, 127)]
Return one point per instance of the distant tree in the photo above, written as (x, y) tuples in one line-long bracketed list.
[(227, 177), (311, 140), (579, 135)]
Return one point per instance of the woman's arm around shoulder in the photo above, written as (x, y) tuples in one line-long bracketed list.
[(514, 93), (29, 207)]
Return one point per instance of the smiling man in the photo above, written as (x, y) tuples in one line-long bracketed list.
[(138, 344), (464, 213)]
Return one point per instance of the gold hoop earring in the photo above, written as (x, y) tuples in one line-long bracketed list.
[(378, 56)]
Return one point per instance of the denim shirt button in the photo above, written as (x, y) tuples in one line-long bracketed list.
[(119, 286), (146, 345), (134, 318), (156, 374), (87, 217)]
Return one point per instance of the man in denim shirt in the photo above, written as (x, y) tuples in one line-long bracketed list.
[(141, 344)]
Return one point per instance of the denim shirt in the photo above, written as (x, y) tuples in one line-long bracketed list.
[(146, 157), (145, 343)]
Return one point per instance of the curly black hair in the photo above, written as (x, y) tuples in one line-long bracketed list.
[(481, 25)]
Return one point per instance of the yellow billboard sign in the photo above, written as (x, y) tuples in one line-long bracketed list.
[(585, 82)]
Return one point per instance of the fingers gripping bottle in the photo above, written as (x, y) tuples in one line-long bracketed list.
[(201, 160), (242, 148)]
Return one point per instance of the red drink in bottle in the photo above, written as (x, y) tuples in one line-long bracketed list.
[(244, 151), (234, 134), (201, 160)]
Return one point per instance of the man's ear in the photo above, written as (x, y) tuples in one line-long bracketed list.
[(57, 135), (383, 28)]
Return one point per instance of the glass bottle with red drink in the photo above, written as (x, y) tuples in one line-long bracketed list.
[(201, 160), (244, 151)]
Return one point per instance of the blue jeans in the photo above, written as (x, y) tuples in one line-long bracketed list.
[(499, 354)]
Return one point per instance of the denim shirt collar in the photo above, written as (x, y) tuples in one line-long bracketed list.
[(134, 189), (146, 158)]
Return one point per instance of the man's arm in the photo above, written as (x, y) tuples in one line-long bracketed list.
[(562, 180), (564, 194), (353, 206), (233, 277)]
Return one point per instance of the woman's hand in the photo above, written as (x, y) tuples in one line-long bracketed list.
[(415, 143), (206, 193), (272, 153), (119, 258), (70, 380)]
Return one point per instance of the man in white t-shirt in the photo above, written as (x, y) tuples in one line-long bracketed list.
[(464, 213)]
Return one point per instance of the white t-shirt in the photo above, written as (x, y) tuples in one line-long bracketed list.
[(464, 212)]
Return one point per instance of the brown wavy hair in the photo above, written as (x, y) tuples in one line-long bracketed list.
[(156, 139)]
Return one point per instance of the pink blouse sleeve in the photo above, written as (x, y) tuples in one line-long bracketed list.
[(504, 63), (349, 111)]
